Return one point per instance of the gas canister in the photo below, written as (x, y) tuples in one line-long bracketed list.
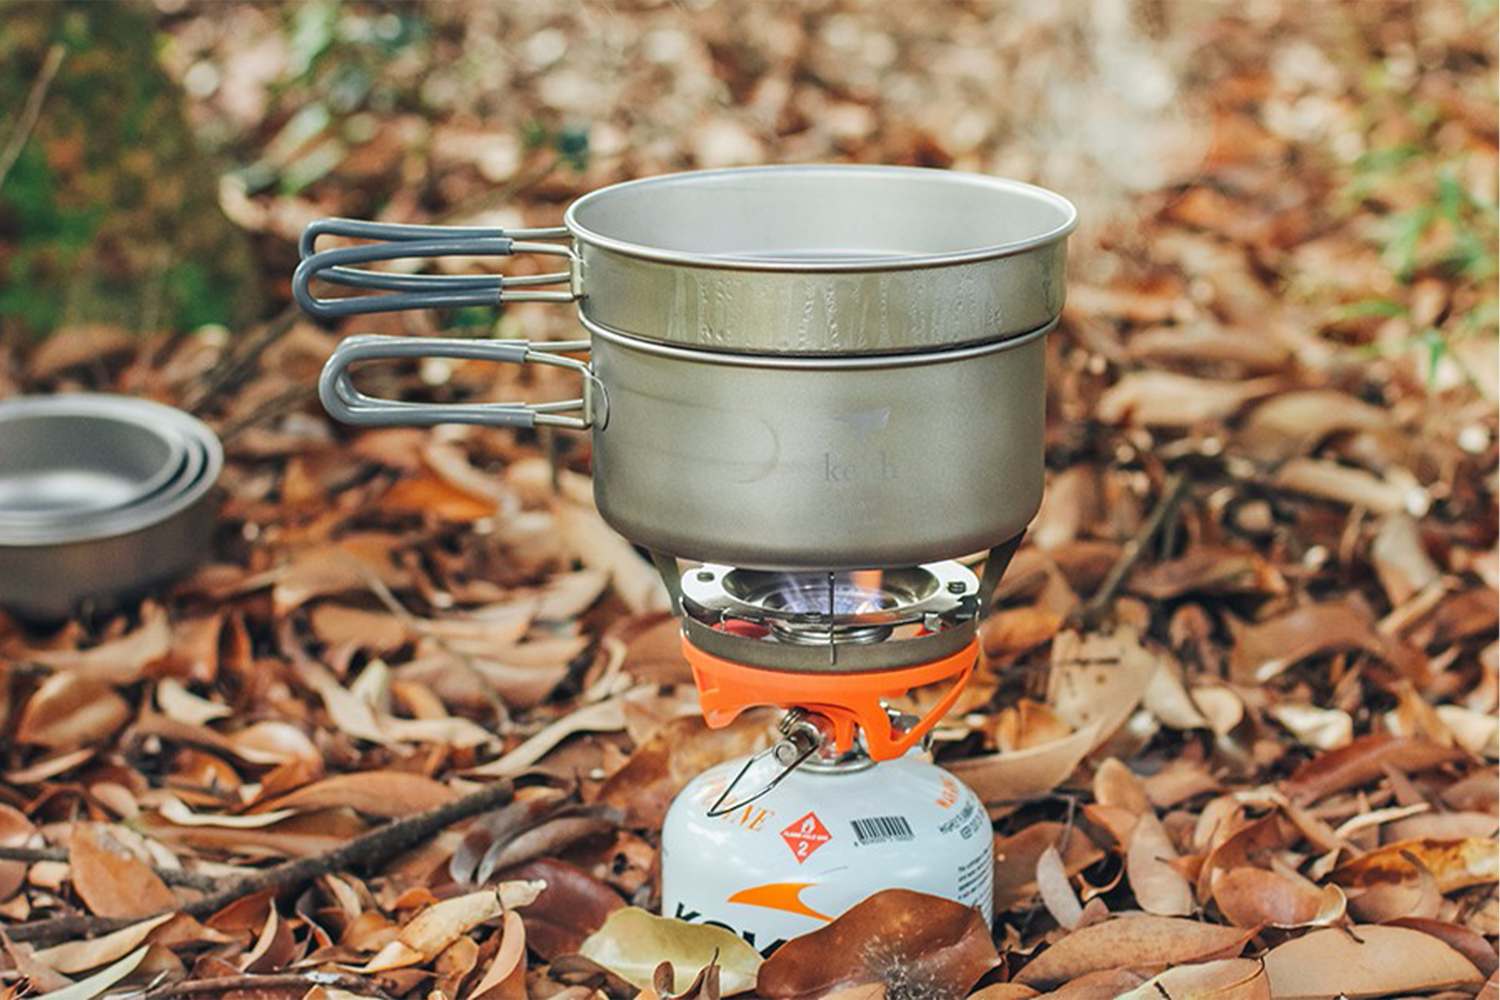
[(825, 836)]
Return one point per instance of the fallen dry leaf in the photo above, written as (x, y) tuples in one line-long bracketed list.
[(1468, 943), (632, 943), (1158, 886), (15, 830), (1455, 864), (373, 793), (574, 905), (1225, 979), (1055, 889), (1141, 943), (1362, 761), (1166, 399), (70, 710), (1256, 897), (1355, 487), (1018, 856), (118, 661), (897, 937), (438, 926), (1365, 960), (111, 881), (100, 982), (79, 956), (1098, 679), (505, 977), (1024, 774)]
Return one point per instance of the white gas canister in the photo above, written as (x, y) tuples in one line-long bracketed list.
[(825, 838)]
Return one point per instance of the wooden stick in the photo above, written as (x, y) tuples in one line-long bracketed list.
[(20, 133), (366, 850), (1098, 606)]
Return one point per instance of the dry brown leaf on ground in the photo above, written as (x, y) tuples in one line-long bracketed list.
[(1167, 399), (1093, 985), (1466, 942), (1365, 960), (1454, 863), (1265, 649), (895, 937), (1159, 887), (15, 831), (632, 943), (1257, 897), (574, 905), (1024, 774), (1361, 762), (1328, 480), (505, 978), (71, 710), (116, 661), (1099, 679), (111, 881), (438, 926), (101, 981), (1057, 893), (1226, 979), (679, 750), (1295, 422), (80, 956), (372, 793), (604, 716), (1141, 943), (1018, 856)]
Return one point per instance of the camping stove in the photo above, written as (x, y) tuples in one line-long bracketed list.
[(811, 382), (846, 802), (836, 643)]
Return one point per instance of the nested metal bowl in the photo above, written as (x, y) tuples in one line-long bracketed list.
[(125, 505), (59, 459)]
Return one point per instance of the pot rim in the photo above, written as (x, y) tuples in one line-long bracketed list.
[(894, 262), (817, 362)]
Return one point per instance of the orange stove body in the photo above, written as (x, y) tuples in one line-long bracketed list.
[(725, 689)]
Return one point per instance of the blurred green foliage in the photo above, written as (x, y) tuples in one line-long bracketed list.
[(110, 212)]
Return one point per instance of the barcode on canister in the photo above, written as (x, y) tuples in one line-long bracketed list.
[(879, 828)]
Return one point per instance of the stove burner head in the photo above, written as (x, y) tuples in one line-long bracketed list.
[(838, 621), (837, 593)]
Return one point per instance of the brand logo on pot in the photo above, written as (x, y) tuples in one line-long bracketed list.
[(805, 836)]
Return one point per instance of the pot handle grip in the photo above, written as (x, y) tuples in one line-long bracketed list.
[(395, 241), (347, 404)]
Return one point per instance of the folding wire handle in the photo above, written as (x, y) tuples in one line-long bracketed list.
[(346, 403), (395, 241)]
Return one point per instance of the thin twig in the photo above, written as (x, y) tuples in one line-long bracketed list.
[(279, 405), (171, 876), (31, 111), (1098, 606), (236, 366), (367, 850), (265, 981)]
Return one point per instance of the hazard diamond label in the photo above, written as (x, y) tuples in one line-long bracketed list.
[(805, 836)]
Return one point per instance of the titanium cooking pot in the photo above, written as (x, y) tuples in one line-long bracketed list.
[(792, 367)]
